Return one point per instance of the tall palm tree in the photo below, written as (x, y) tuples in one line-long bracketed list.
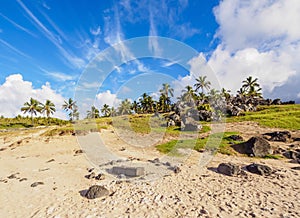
[(251, 86), (189, 94), (93, 113), (135, 107), (165, 97), (125, 107), (166, 90), (147, 102), (48, 108), (106, 110), (70, 106), (202, 84), (32, 107)]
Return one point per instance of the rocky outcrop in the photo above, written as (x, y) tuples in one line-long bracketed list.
[(279, 136), (229, 169), (255, 146), (259, 169)]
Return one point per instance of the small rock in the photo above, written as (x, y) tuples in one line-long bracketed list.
[(176, 169), (100, 176), (229, 169), (122, 149), (96, 191), (23, 179), (259, 169), (50, 161), (36, 184), (90, 170), (13, 176), (291, 155), (79, 151), (90, 176)]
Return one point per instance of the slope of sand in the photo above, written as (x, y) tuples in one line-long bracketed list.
[(196, 191)]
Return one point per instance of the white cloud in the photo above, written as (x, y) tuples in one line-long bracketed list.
[(258, 38), (272, 69), (257, 23), (14, 92), (107, 98)]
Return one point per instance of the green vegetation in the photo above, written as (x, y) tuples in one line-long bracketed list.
[(273, 156), (215, 142), (26, 122), (277, 116)]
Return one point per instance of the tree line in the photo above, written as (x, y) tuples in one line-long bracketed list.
[(199, 95)]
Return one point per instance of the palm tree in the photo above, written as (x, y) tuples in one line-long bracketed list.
[(165, 98), (70, 106), (242, 92), (202, 84), (48, 108), (106, 110), (125, 107), (32, 107), (251, 86), (166, 90), (189, 94), (135, 107), (93, 113), (225, 93), (146, 103)]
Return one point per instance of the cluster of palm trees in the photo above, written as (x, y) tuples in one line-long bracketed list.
[(33, 107), (199, 95)]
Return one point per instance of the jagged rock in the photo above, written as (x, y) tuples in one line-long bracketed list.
[(291, 155), (170, 123), (229, 169), (276, 101), (91, 176), (279, 136), (259, 169), (205, 115), (191, 125), (236, 138), (176, 169), (96, 191), (100, 176), (255, 146)]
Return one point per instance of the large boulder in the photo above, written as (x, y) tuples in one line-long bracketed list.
[(229, 169), (259, 169), (255, 146), (96, 191)]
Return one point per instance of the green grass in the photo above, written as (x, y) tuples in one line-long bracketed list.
[(277, 116), (26, 122), (215, 142), (273, 156)]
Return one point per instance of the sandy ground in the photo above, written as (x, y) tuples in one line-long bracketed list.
[(197, 191)]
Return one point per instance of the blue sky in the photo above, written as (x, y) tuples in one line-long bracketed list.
[(46, 45)]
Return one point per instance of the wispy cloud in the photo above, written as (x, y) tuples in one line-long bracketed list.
[(17, 25), (13, 48), (95, 31), (60, 76), (71, 58)]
